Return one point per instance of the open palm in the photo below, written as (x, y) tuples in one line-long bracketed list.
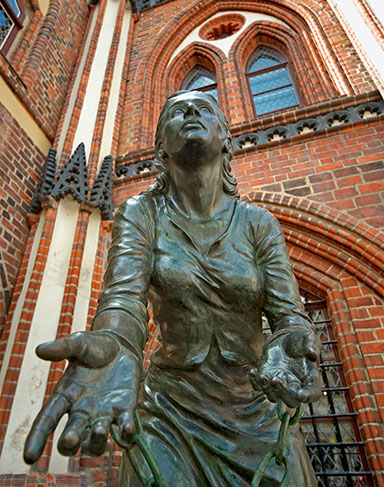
[(98, 388)]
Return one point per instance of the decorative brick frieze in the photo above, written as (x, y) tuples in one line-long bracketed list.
[(140, 168), (310, 125), (275, 133), (73, 180)]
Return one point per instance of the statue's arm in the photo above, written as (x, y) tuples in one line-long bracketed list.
[(122, 305), (101, 383), (288, 368)]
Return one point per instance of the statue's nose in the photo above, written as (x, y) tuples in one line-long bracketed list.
[(191, 110)]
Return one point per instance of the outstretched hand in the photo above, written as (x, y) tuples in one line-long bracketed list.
[(289, 369), (98, 388)]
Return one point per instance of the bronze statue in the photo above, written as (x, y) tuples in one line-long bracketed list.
[(210, 265)]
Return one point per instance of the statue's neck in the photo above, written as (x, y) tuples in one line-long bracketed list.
[(197, 190)]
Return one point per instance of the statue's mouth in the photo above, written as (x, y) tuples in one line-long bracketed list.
[(190, 124)]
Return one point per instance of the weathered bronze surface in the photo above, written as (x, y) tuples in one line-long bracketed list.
[(210, 266)]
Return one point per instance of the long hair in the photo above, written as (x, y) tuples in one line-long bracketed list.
[(163, 179)]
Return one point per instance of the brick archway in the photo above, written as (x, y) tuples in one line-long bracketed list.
[(340, 259)]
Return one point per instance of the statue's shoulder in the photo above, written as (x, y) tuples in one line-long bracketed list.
[(139, 206), (257, 215)]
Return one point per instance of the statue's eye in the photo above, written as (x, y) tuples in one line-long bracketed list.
[(177, 112), (205, 109)]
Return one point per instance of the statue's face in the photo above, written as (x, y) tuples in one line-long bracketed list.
[(191, 127)]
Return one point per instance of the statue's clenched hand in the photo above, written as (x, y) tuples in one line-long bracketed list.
[(98, 388), (289, 368)]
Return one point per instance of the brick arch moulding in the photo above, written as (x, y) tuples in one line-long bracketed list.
[(341, 244), (149, 71)]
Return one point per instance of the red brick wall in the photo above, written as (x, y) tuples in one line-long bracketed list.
[(40, 68), (20, 168), (343, 170), (39, 72)]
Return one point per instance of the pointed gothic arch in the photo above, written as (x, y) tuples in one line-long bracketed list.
[(196, 54), (301, 53)]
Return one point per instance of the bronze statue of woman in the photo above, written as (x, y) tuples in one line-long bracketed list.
[(210, 265)]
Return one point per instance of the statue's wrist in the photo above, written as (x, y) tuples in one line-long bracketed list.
[(282, 333)]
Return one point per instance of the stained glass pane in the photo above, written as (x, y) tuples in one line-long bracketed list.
[(199, 78), (330, 402), (6, 25), (275, 100), (269, 80), (264, 58)]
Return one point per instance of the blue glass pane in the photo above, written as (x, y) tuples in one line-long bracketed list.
[(275, 100), (213, 92), (6, 25), (14, 6), (264, 58), (199, 82), (269, 81), (199, 78)]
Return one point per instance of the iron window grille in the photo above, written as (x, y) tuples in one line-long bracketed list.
[(201, 79), (12, 15), (329, 426), (270, 82)]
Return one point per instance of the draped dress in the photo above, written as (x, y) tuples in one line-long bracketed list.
[(208, 281)]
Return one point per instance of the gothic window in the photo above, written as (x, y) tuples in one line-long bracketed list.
[(11, 21), (329, 426), (270, 82), (201, 79)]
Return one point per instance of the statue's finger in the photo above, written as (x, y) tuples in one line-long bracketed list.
[(70, 439), (277, 383), (127, 427), (311, 389), (263, 380), (287, 391), (98, 438), (313, 348), (71, 347), (45, 422), (91, 349), (56, 350)]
